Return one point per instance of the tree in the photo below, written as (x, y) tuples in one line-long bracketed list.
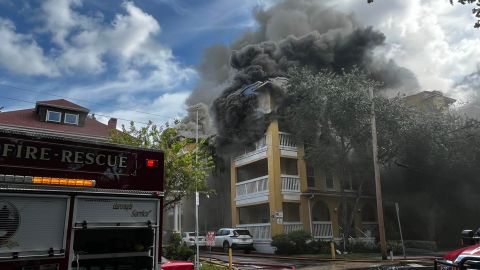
[(426, 155), (186, 164), (475, 11), (330, 115)]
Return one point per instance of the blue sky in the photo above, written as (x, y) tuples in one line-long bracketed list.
[(121, 58), (116, 58)]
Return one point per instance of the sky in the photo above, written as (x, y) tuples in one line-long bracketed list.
[(136, 60)]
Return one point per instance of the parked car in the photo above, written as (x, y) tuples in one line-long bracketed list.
[(234, 238), (175, 265), (188, 238)]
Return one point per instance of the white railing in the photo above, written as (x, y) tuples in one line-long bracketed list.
[(259, 231), (289, 227), (286, 140), (291, 183), (260, 151), (252, 186), (322, 229)]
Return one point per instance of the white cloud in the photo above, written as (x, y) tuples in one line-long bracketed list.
[(21, 54), (126, 47), (432, 38), (162, 109)]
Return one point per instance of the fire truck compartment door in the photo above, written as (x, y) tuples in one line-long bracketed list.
[(113, 211), (32, 225)]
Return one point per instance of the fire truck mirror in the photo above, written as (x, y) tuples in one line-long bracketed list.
[(468, 237)]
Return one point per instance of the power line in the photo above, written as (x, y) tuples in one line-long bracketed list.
[(108, 116), (79, 99)]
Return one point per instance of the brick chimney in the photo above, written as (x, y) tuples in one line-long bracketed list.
[(112, 123)]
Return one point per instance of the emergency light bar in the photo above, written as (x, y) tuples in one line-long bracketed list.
[(20, 179), (63, 182)]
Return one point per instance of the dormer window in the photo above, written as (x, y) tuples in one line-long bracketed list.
[(53, 116), (71, 119)]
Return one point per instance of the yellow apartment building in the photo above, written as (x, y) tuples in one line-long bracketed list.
[(274, 191)]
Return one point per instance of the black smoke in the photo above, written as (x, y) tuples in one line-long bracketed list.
[(291, 34)]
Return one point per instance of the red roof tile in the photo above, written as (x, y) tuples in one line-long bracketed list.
[(27, 118), (63, 104)]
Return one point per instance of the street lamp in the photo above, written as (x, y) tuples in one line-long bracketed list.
[(197, 199)]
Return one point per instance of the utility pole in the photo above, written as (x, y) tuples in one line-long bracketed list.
[(197, 201), (378, 185)]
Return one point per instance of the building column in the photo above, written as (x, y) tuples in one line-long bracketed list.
[(333, 207), (233, 192), (175, 218), (305, 212), (274, 177)]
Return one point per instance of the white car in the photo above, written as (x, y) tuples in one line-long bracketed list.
[(234, 238), (188, 238)]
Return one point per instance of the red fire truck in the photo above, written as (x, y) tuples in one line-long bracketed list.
[(69, 203)]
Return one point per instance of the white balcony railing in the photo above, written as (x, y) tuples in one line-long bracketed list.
[(286, 140), (289, 227), (322, 229), (252, 186), (259, 231), (291, 183), (257, 152)]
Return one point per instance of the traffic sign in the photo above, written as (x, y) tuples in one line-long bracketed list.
[(210, 239)]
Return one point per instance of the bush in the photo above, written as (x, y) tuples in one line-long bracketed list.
[(298, 242), (176, 251)]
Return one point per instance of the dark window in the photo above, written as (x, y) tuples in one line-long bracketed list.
[(310, 176), (53, 116), (71, 118), (329, 180), (242, 232)]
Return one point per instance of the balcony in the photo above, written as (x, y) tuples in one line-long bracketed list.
[(289, 227), (252, 191), (288, 147), (322, 229), (258, 152), (259, 231), (291, 187)]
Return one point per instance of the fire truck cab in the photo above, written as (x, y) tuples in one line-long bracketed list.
[(68, 203)]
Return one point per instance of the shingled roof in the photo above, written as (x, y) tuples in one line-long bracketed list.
[(63, 104), (28, 119)]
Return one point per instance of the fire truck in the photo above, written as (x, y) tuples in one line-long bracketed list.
[(71, 204)]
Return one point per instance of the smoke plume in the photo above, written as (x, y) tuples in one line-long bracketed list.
[(292, 33)]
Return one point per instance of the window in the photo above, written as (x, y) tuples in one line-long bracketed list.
[(53, 116), (329, 184), (310, 176), (71, 119)]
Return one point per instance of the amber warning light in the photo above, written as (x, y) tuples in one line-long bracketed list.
[(152, 163), (63, 182)]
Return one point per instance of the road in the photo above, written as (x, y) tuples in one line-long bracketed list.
[(255, 261)]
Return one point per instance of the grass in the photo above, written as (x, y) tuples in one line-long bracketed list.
[(209, 266), (349, 256)]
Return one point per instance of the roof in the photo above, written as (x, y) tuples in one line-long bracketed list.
[(280, 82), (28, 119), (424, 95), (63, 104)]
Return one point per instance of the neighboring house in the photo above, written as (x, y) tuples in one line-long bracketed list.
[(274, 191), (58, 117), (432, 101)]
